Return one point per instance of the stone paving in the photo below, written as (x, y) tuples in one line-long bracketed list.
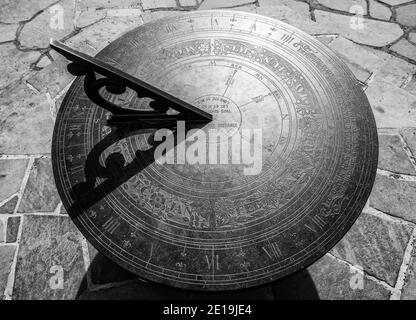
[(43, 256)]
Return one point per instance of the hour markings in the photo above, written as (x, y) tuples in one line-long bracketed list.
[(317, 223), (272, 250), (153, 248), (77, 169), (287, 38), (111, 225), (212, 263), (75, 145), (253, 27), (214, 22), (135, 43), (170, 28)]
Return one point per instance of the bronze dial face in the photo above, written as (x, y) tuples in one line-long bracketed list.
[(225, 225)]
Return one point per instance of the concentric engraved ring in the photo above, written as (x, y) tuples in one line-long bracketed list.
[(213, 225)]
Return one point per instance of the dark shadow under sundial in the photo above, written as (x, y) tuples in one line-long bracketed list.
[(297, 286)]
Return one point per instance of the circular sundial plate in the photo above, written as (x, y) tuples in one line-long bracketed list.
[(221, 226)]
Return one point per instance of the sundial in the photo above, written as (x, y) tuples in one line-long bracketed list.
[(298, 163)]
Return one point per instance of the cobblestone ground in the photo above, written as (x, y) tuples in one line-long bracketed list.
[(42, 255)]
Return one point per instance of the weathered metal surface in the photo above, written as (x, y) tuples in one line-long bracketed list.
[(212, 226)]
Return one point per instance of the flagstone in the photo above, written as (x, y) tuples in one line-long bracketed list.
[(27, 125), (55, 23), (13, 224), (379, 11), (40, 194), (6, 261), (395, 197), (11, 176), (405, 15), (345, 5), (375, 245), (8, 32), (373, 32), (405, 48), (49, 262), (392, 156), (21, 10)]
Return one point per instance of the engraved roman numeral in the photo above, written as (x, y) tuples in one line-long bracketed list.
[(77, 169), (75, 145), (111, 225), (214, 21), (170, 28), (213, 262), (287, 38), (272, 250), (317, 223), (153, 248), (253, 27), (135, 43)]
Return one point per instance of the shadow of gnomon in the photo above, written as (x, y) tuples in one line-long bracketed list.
[(113, 174), (100, 180)]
